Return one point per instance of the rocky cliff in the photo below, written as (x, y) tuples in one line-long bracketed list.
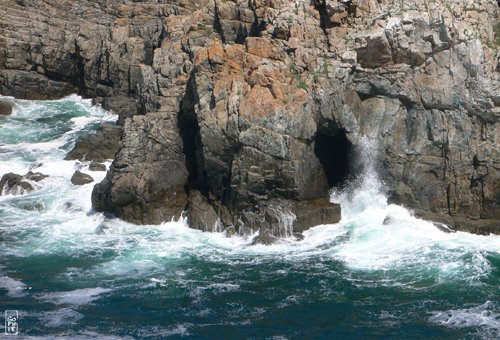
[(240, 109)]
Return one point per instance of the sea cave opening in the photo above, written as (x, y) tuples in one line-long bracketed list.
[(335, 153), (189, 129)]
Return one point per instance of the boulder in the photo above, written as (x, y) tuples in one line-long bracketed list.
[(79, 178), (5, 108)]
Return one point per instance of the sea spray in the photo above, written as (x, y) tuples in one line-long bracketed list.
[(366, 190), (285, 220)]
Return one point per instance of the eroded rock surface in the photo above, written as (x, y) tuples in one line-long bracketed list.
[(241, 100)]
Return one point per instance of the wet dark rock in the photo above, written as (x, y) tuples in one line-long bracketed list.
[(79, 178), (5, 108), (35, 206), (102, 228), (99, 146), (388, 220), (95, 166), (279, 217), (449, 223), (298, 236), (35, 176), (35, 165), (230, 231), (265, 237), (15, 184), (72, 207), (201, 215)]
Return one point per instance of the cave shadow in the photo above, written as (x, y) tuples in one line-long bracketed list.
[(337, 155)]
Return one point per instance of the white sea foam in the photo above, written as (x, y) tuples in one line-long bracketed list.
[(60, 317), (181, 329), (75, 297), (483, 316), (15, 288)]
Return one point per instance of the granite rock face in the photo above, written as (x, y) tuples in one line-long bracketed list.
[(229, 107)]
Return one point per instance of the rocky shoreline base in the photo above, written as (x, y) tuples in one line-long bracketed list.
[(226, 107)]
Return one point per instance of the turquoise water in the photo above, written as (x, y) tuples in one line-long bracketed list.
[(71, 273)]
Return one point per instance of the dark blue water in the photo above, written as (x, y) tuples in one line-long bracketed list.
[(354, 280)]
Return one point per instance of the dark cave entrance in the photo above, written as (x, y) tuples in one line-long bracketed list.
[(335, 153), (189, 129)]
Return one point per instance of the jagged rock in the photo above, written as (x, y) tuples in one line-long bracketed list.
[(5, 108), (13, 184), (146, 183), (79, 178), (99, 146), (201, 215), (95, 166), (378, 51), (35, 176)]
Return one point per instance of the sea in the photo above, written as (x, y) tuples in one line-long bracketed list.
[(69, 272)]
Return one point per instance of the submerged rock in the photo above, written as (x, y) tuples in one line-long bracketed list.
[(5, 108), (265, 237), (79, 178), (35, 206), (389, 220), (35, 176), (278, 217)]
